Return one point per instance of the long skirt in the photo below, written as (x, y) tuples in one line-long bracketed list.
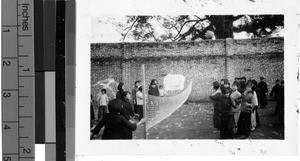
[(227, 125), (263, 100), (139, 110), (216, 116), (244, 124)]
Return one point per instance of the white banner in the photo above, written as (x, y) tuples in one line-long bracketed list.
[(174, 82)]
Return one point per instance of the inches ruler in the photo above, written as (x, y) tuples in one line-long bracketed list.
[(18, 130)]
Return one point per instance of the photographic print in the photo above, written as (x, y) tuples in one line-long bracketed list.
[(206, 77), (186, 78)]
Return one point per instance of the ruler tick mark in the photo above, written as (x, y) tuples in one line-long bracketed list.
[(21, 127), (10, 121), (26, 76), (21, 106), (10, 153), (9, 57), (25, 116), (21, 66), (11, 25), (24, 35), (10, 89), (20, 46), (23, 137), (23, 96), (23, 55)]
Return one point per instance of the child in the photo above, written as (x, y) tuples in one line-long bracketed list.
[(161, 91), (236, 96), (226, 114), (102, 101)]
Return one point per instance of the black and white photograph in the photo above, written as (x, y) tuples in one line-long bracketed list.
[(206, 77), (187, 77)]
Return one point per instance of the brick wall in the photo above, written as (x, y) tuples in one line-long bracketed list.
[(203, 62)]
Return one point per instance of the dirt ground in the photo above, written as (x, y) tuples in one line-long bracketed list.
[(194, 121)]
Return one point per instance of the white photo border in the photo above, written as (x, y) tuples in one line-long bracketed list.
[(88, 8)]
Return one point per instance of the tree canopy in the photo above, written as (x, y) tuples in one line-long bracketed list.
[(195, 27)]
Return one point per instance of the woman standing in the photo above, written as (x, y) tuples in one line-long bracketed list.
[(153, 89), (127, 110), (139, 101), (120, 90)]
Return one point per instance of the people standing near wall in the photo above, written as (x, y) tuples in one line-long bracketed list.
[(247, 104), (153, 88), (134, 90), (275, 94), (115, 125), (162, 91), (226, 114), (236, 96), (242, 85), (254, 115), (102, 101), (216, 114), (139, 102), (262, 85), (120, 90), (127, 111)]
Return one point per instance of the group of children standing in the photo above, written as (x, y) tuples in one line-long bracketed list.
[(235, 106)]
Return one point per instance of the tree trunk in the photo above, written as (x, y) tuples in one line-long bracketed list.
[(223, 26)]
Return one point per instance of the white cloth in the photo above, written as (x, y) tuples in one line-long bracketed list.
[(139, 98)]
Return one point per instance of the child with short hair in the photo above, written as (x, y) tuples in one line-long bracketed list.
[(161, 91), (102, 101), (226, 114)]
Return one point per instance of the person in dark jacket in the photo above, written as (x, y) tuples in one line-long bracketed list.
[(263, 87), (275, 94), (127, 110), (115, 125), (216, 115), (226, 117), (120, 90), (280, 103), (153, 88)]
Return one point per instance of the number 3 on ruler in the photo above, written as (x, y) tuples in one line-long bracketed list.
[(6, 158)]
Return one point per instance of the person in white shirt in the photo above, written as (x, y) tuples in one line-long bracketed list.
[(102, 101), (162, 91), (139, 103)]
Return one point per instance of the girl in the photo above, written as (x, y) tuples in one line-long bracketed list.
[(139, 102), (120, 90)]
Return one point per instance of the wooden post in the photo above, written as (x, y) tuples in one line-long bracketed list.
[(144, 99)]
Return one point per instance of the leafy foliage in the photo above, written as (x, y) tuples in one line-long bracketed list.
[(194, 27)]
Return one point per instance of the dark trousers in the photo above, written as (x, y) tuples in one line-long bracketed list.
[(263, 100), (139, 110), (101, 111), (227, 125), (244, 124), (92, 115)]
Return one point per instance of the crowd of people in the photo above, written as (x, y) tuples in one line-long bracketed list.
[(122, 115), (235, 107)]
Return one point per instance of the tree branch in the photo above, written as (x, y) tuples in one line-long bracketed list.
[(124, 36)]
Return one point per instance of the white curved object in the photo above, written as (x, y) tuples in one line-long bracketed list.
[(166, 105)]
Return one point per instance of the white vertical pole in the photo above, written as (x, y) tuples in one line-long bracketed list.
[(144, 99)]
